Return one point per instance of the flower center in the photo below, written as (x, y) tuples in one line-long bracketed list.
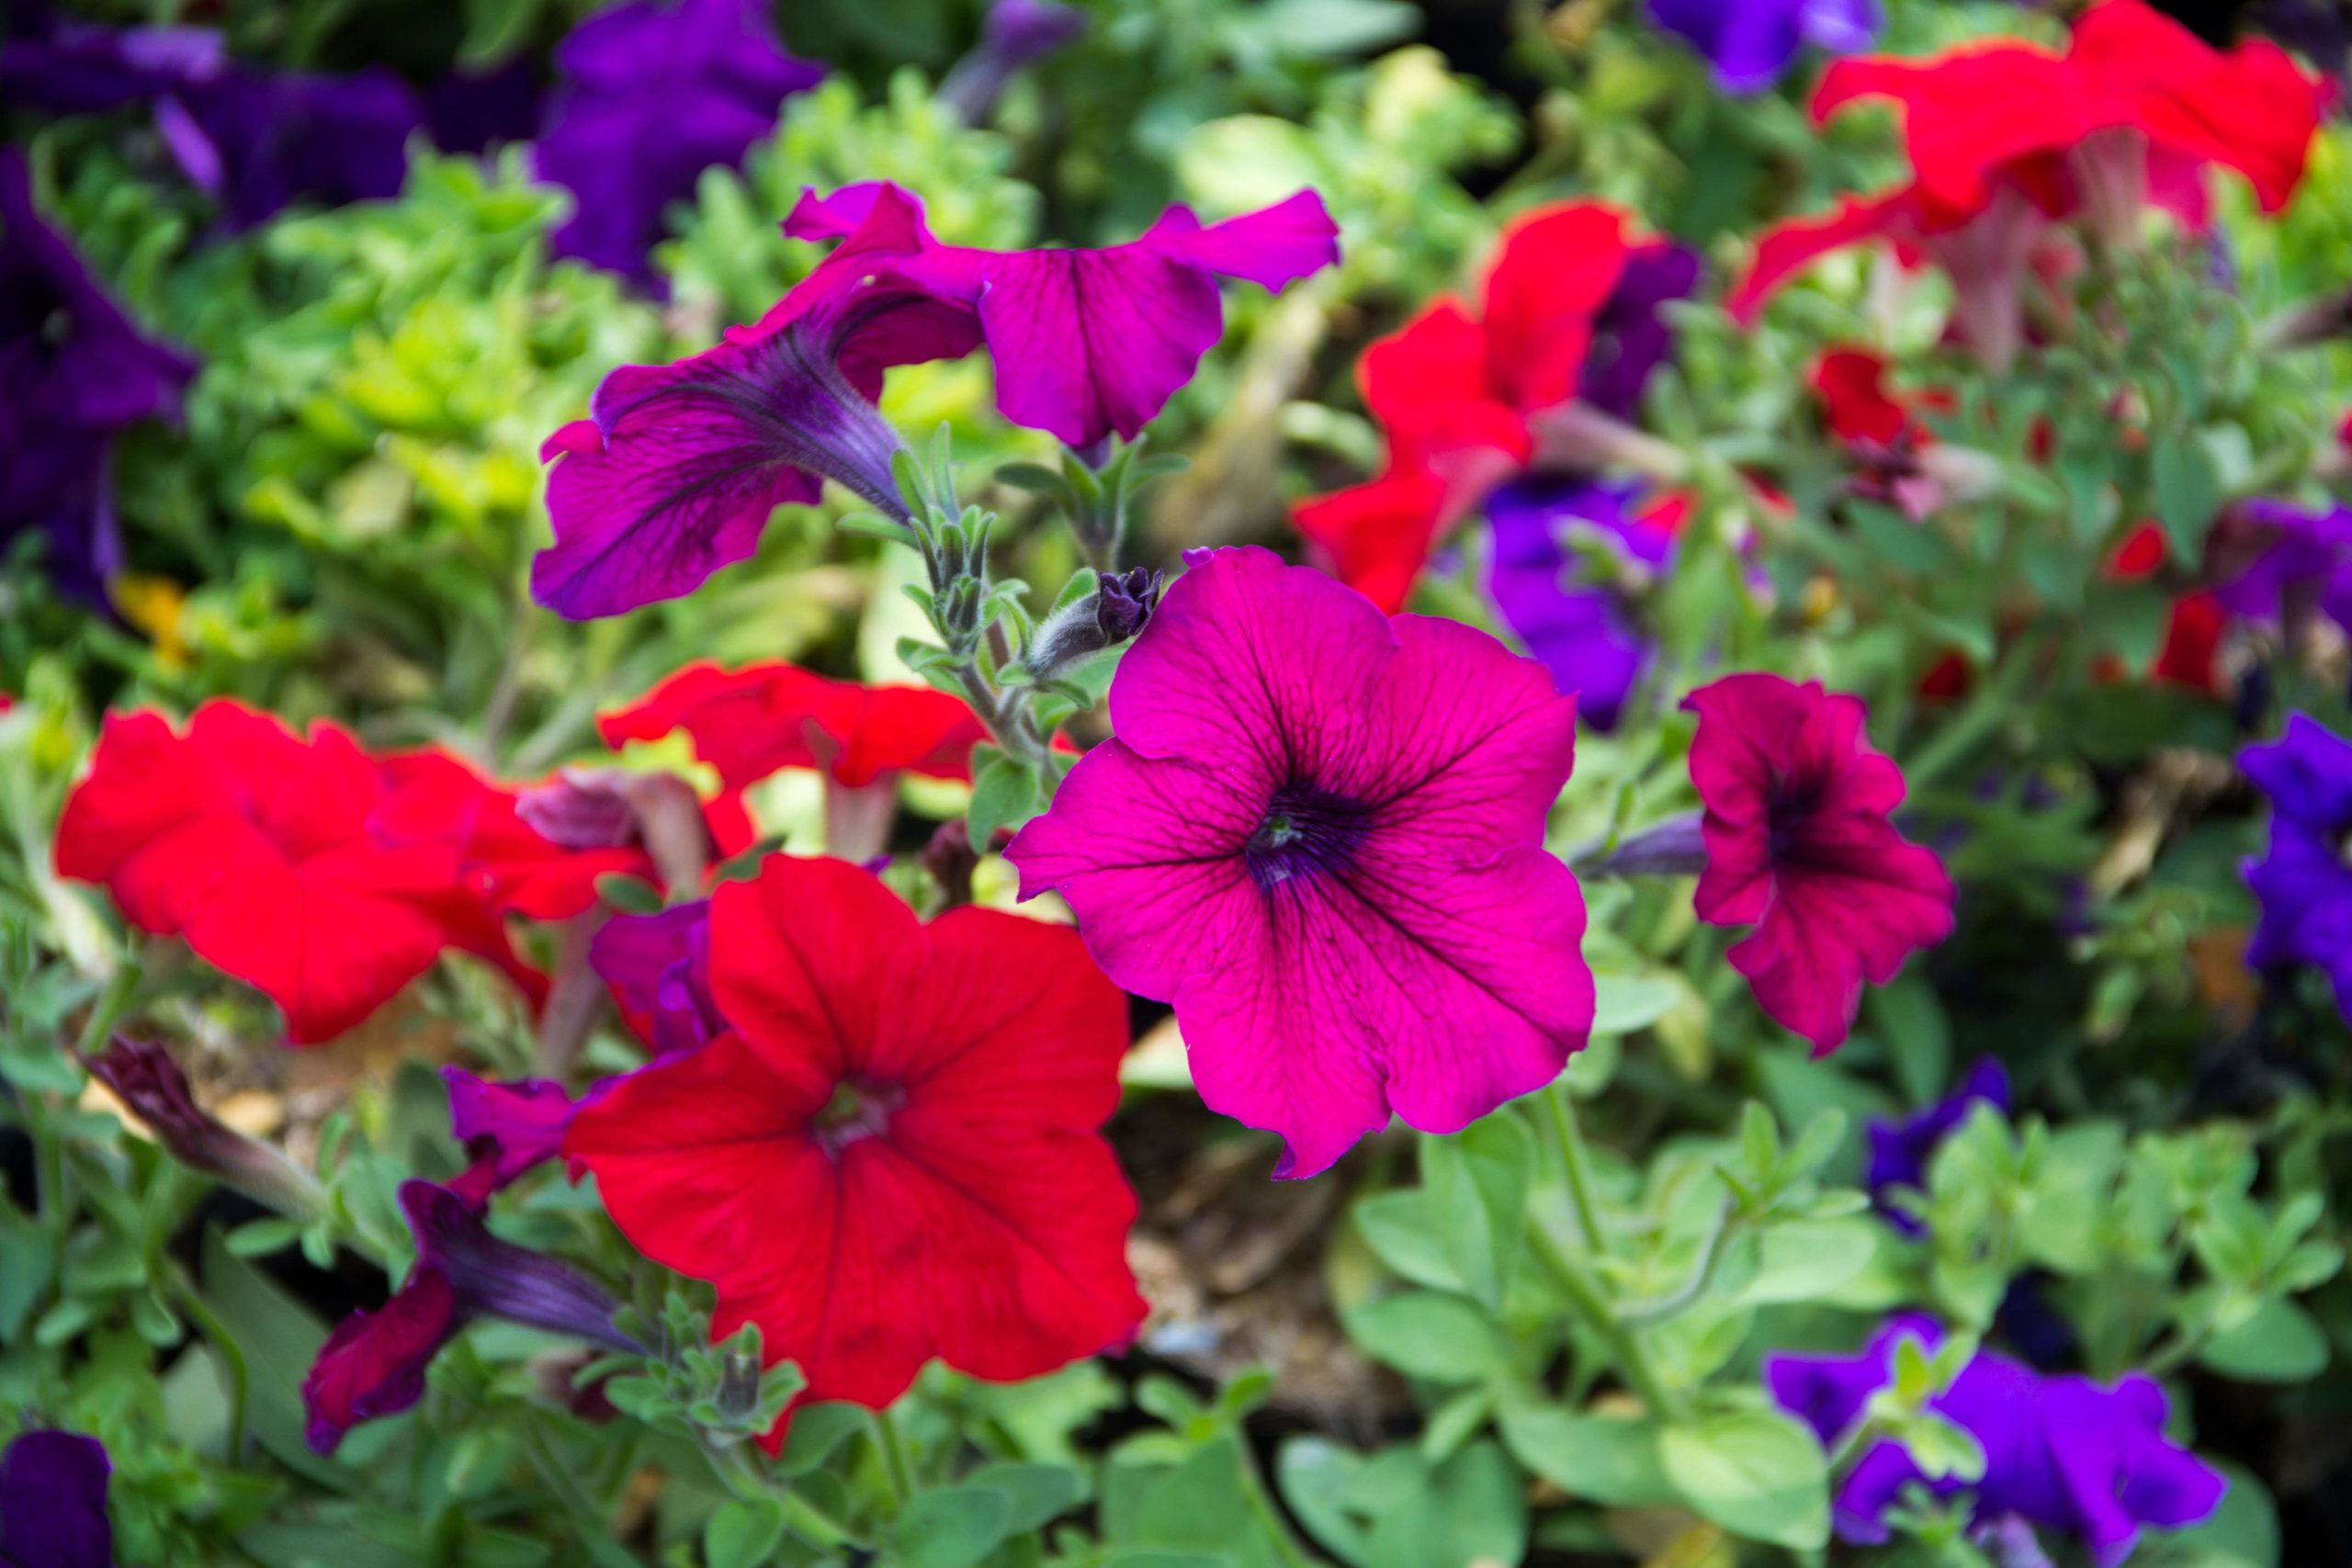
[(856, 1110), (1305, 829), (1791, 807)]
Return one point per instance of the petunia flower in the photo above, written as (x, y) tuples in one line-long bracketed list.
[(1568, 332), (2190, 653), (651, 94), (1014, 34), (2301, 565), (749, 723), (1319, 832), (2005, 138), (2061, 1452), (1751, 42), (75, 373), (151, 1086), (679, 466), (507, 1129), (1800, 845), (1899, 1151), (659, 968), (2304, 881), (256, 849), (54, 1502), (1585, 634), (890, 1153), (373, 1364), (257, 140)]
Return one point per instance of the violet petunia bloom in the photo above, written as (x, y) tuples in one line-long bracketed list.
[(2060, 1452), (506, 1128), (1751, 42), (2304, 882), (2299, 561), (1014, 34), (1800, 845), (54, 1503), (651, 96), (75, 373), (1584, 633), (254, 140), (659, 968), (373, 1364), (1320, 832), (1630, 336), (1900, 1150), (679, 466)]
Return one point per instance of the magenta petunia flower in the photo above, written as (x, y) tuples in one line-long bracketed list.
[(1319, 833), (1800, 845), (679, 466)]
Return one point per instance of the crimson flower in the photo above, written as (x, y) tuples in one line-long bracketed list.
[(1800, 845), (255, 848), (2190, 653), (890, 1153), (1319, 832), (1569, 313), (2006, 137), (748, 722)]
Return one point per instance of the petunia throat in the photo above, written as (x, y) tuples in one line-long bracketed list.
[(857, 1110), (1306, 829)]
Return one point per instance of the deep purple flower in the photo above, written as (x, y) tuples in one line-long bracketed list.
[(651, 96), (1900, 1150), (255, 140), (659, 968), (680, 466), (151, 1087), (373, 1364), (2301, 563), (54, 1503), (1630, 336), (73, 373), (1750, 42), (1582, 630), (2305, 881), (506, 1128), (1319, 832), (1016, 33), (2061, 1452), (472, 109)]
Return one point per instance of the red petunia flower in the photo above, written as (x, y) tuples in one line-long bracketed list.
[(435, 799), (254, 846), (2005, 138), (1800, 845), (2190, 654), (1569, 313), (891, 1155), (749, 723)]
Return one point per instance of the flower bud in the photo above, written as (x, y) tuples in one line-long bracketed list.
[(951, 860), (149, 1085), (1117, 611), (1675, 847)]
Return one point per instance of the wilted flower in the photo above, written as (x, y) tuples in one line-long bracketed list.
[(2305, 880), (651, 95), (1319, 833), (149, 1085), (889, 1154), (1800, 845), (1750, 42), (2062, 1452), (373, 1364), (54, 1502), (75, 373), (1899, 1151)]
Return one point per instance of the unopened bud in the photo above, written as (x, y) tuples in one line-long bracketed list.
[(1577, 436), (951, 860), (151, 1086), (1118, 610)]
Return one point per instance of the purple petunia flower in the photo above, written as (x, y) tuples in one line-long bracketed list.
[(651, 96), (2305, 881), (506, 1128), (1630, 336), (1015, 33), (2060, 1452), (659, 968), (74, 372), (2301, 562), (1900, 1150), (373, 1364), (1750, 42), (255, 140), (1585, 635), (1318, 832), (679, 466), (54, 1503)]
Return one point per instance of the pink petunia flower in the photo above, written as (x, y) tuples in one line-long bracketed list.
[(1319, 833), (1800, 845)]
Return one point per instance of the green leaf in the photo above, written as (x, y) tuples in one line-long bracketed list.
[(2189, 495), (952, 1528), (1478, 1181), (28, 1263), (1425, 1335), (2280, 1343), (1623, 1003), (743, 1534), (1403, 1231), (1005, 794), (1314, 1475), (1038, 1492), (1472, 1511), (1802, 1260), (1756, 1472), (1609, 1460)]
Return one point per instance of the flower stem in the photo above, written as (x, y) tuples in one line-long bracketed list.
[(225, 1343), (893, 1449), (1262, 1507), (1584, 1295), (742, 1480), (1568, 1140)]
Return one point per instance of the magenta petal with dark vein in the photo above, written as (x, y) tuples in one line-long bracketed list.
[(1800, 845), (1318, 833)]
